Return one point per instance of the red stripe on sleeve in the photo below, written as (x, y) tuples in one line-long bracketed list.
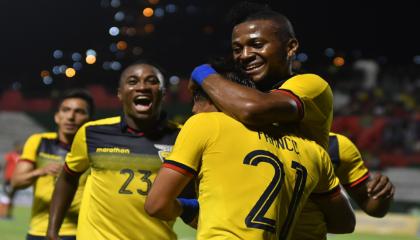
[(330, 194), (295, 98), (178, 169), (69, 171), (358, 181)]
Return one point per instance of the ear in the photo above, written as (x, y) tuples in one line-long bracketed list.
[(56, 119), (119, 94), (292, 47)]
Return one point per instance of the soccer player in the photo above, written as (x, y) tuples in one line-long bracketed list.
[(124, 154), (6, 201), (264, 44), (42, 159), (252, 184), (373, 196)]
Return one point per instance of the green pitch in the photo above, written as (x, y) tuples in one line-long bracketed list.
[(15, 229)]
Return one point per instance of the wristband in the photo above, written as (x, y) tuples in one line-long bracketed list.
[(190, 208), (202, 72)]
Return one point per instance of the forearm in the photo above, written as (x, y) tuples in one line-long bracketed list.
[(63, 195), (376, 207), (249, 105), (338, 213), (24, 180), (166, 212)]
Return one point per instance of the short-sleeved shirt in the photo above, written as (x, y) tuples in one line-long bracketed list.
[(123, 164), (350, 170), (42, 149), (251, 184), (315, 99)]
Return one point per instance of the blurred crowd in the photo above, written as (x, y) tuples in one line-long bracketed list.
[(376, 105)]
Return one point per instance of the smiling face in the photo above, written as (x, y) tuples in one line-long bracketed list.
[(71, 115), (260, 52), (141, 92)]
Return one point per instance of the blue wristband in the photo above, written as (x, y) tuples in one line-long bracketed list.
[(202, 72), (190, 208)]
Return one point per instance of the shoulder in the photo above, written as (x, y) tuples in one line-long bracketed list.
[(104, 121), (44, 135), (343, 141), (306, 85)]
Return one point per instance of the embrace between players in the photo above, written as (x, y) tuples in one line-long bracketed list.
[(257, 161)]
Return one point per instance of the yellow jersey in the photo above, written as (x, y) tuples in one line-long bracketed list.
[(350, 170), (42, 149), (123, 165), (315, 99), (251, 184)]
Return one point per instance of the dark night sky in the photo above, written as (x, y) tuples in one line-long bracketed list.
[(32, 30)]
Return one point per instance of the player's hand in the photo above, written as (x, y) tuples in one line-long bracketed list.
[(51, 169), (380, 187)]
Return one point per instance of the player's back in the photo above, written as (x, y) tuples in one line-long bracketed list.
[(253, 184)]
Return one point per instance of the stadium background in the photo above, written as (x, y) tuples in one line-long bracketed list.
[(370, 55)]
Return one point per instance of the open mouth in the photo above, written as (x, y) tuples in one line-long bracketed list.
[(142, 103), (253, 68)]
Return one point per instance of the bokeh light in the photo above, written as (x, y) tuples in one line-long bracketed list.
[(90, 59), (76, 56), (45, 73), (77, 66), (159, 12), (57, 54), (148, 12), (148, 28), (114, 31), (70, 72), (338, 61), (47, 80), (119, 16), (329, 52), (122, 45)]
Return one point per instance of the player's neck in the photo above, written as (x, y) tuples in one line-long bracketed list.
[(65, 138), (143, 125)]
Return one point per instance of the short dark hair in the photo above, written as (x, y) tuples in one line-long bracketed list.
[(230, 70), (77, 93), (248, 11)]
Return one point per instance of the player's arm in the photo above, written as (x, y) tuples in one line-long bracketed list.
[(247, 105), (64, 191), (338, 213), (373, 196), (179, 168), (162, 202), (76, 163), (25, 173)]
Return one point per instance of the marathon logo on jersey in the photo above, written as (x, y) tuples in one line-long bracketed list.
[(113, 150), (164, 151)]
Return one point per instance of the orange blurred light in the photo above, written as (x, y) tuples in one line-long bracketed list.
[(45, 73), (70, 72), (148, 12), (122, 45), (148, 28), (90, 59), (338, 61)]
